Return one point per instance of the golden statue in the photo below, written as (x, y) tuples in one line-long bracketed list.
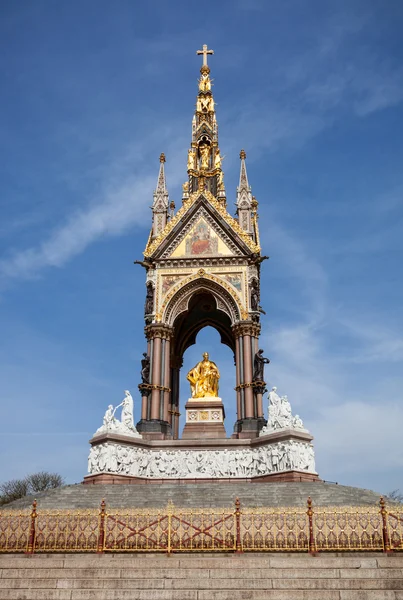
[(204, 83), (205, 155), (204, 378), (218, 160), (191, 159)]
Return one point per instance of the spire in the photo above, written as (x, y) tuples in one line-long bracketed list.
[(204, 158), (244, 197), (243, 177), (161, 185), (161, 201)]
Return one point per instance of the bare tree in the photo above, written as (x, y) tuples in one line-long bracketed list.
[(13, 490), (42, 481), (32, 484), (395, 495)]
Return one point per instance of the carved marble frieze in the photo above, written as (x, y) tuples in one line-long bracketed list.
[(121, 459)]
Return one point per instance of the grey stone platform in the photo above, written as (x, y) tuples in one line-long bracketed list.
[(201, 495), (354, 576)]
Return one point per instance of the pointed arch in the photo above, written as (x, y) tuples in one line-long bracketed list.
[(178, 301)]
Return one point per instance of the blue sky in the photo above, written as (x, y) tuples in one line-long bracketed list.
[(91, 93)]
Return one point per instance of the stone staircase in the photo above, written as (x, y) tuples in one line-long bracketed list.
[(154, 495), (370, 576)]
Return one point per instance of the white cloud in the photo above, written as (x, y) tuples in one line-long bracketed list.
[(122, 203)]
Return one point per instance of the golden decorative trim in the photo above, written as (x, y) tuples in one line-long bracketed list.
[(152, 246)]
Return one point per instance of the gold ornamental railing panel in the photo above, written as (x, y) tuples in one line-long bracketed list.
[(395, 527), (14, 530), (233, 529), (352, 528), (67, 531), (274, 529)]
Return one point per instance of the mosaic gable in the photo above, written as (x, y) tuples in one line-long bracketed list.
[(201, 241)]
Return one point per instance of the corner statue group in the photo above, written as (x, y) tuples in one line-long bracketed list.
[(203, 378)]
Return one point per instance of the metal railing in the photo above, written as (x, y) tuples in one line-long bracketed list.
[(234, 529)]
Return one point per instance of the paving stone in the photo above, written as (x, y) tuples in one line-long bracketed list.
[(367, 595), (29, 562), (6, 584), (371, 573), (339, 584), (323, 561), (269, 595), (110, 584), (139, 595), (15, 594), (393, 561)]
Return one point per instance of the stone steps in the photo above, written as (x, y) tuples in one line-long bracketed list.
[(154, 495), (361, 576)]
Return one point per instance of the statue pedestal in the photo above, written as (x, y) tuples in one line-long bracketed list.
[(204, 418)]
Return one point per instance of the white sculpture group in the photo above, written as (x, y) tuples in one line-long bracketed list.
[(275, 457), (126, 425), (280, 414), (120, 459)]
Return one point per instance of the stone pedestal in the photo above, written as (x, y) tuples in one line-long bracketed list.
[(285, 455), (204, 419)]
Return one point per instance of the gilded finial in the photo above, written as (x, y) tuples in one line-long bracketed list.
[(162, 158), (242, 155), (255, 203)]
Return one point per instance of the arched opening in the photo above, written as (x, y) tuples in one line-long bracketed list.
[(201, 311), (208, 339), (202, 307)]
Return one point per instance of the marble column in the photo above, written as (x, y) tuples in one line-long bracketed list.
[(248, 374), (249, 406), (155, 421), (238, 380)]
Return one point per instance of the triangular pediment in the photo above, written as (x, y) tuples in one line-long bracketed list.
[(201, 228), (202, 237)]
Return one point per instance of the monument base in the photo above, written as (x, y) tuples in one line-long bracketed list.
[(282, 455), (204, 419)]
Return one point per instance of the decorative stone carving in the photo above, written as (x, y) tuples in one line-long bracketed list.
[(211, 415), (280, 414), (126, 425), (112, 457)]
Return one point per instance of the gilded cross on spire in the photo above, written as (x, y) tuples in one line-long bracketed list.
[(205, 51)]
